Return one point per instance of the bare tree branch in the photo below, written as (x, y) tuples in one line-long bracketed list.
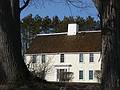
[(75, 3), (25, 4)]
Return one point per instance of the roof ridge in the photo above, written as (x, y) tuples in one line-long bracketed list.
[(62, 33), (51, 34)]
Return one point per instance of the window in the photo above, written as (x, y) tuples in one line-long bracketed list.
[(81, 74), (91, 57), (34, 58), (61, 74), (90, 74), (81, 57), (43, 58), (61, 57)]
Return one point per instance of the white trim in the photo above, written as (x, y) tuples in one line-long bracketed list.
[(63, 53), (52, 34), (89, 31), (62, 33)]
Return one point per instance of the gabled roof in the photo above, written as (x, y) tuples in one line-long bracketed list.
[(58, 43)]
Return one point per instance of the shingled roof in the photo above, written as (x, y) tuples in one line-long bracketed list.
[(58, 43)]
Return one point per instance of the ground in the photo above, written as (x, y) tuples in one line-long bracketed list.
[(58, 86)]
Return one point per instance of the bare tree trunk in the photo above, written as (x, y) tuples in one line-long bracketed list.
[(111, 47), (13, 70), (110, 76)]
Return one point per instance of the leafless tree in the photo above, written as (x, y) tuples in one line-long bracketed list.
[(109, 11), (98, 75), (13, 66), (40, 69), (67, 76)]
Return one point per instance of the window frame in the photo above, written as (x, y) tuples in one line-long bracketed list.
[(91, 57), (91, 74), (43, 58), (81, 75), (60, 74), (62, 58), (81, 57), (34, 58)]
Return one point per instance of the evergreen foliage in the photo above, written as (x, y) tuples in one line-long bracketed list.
[(46, 24)]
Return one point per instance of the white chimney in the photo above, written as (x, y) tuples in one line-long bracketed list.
[(72, 29)]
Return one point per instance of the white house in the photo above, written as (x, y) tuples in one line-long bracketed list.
[(71, 56)]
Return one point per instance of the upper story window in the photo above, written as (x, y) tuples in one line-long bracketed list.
[(61, 57), (34, 58), (91, 57), (81, 57), (81, 74), (43, 58), (90, 74)]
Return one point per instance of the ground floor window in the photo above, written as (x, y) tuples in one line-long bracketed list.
[(61, 74), (90, 74), (81, 74)]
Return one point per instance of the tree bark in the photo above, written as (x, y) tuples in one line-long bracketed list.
[(110, 75), (111, 46), (13, 70)]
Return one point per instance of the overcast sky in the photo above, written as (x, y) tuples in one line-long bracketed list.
[(60, 9)]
